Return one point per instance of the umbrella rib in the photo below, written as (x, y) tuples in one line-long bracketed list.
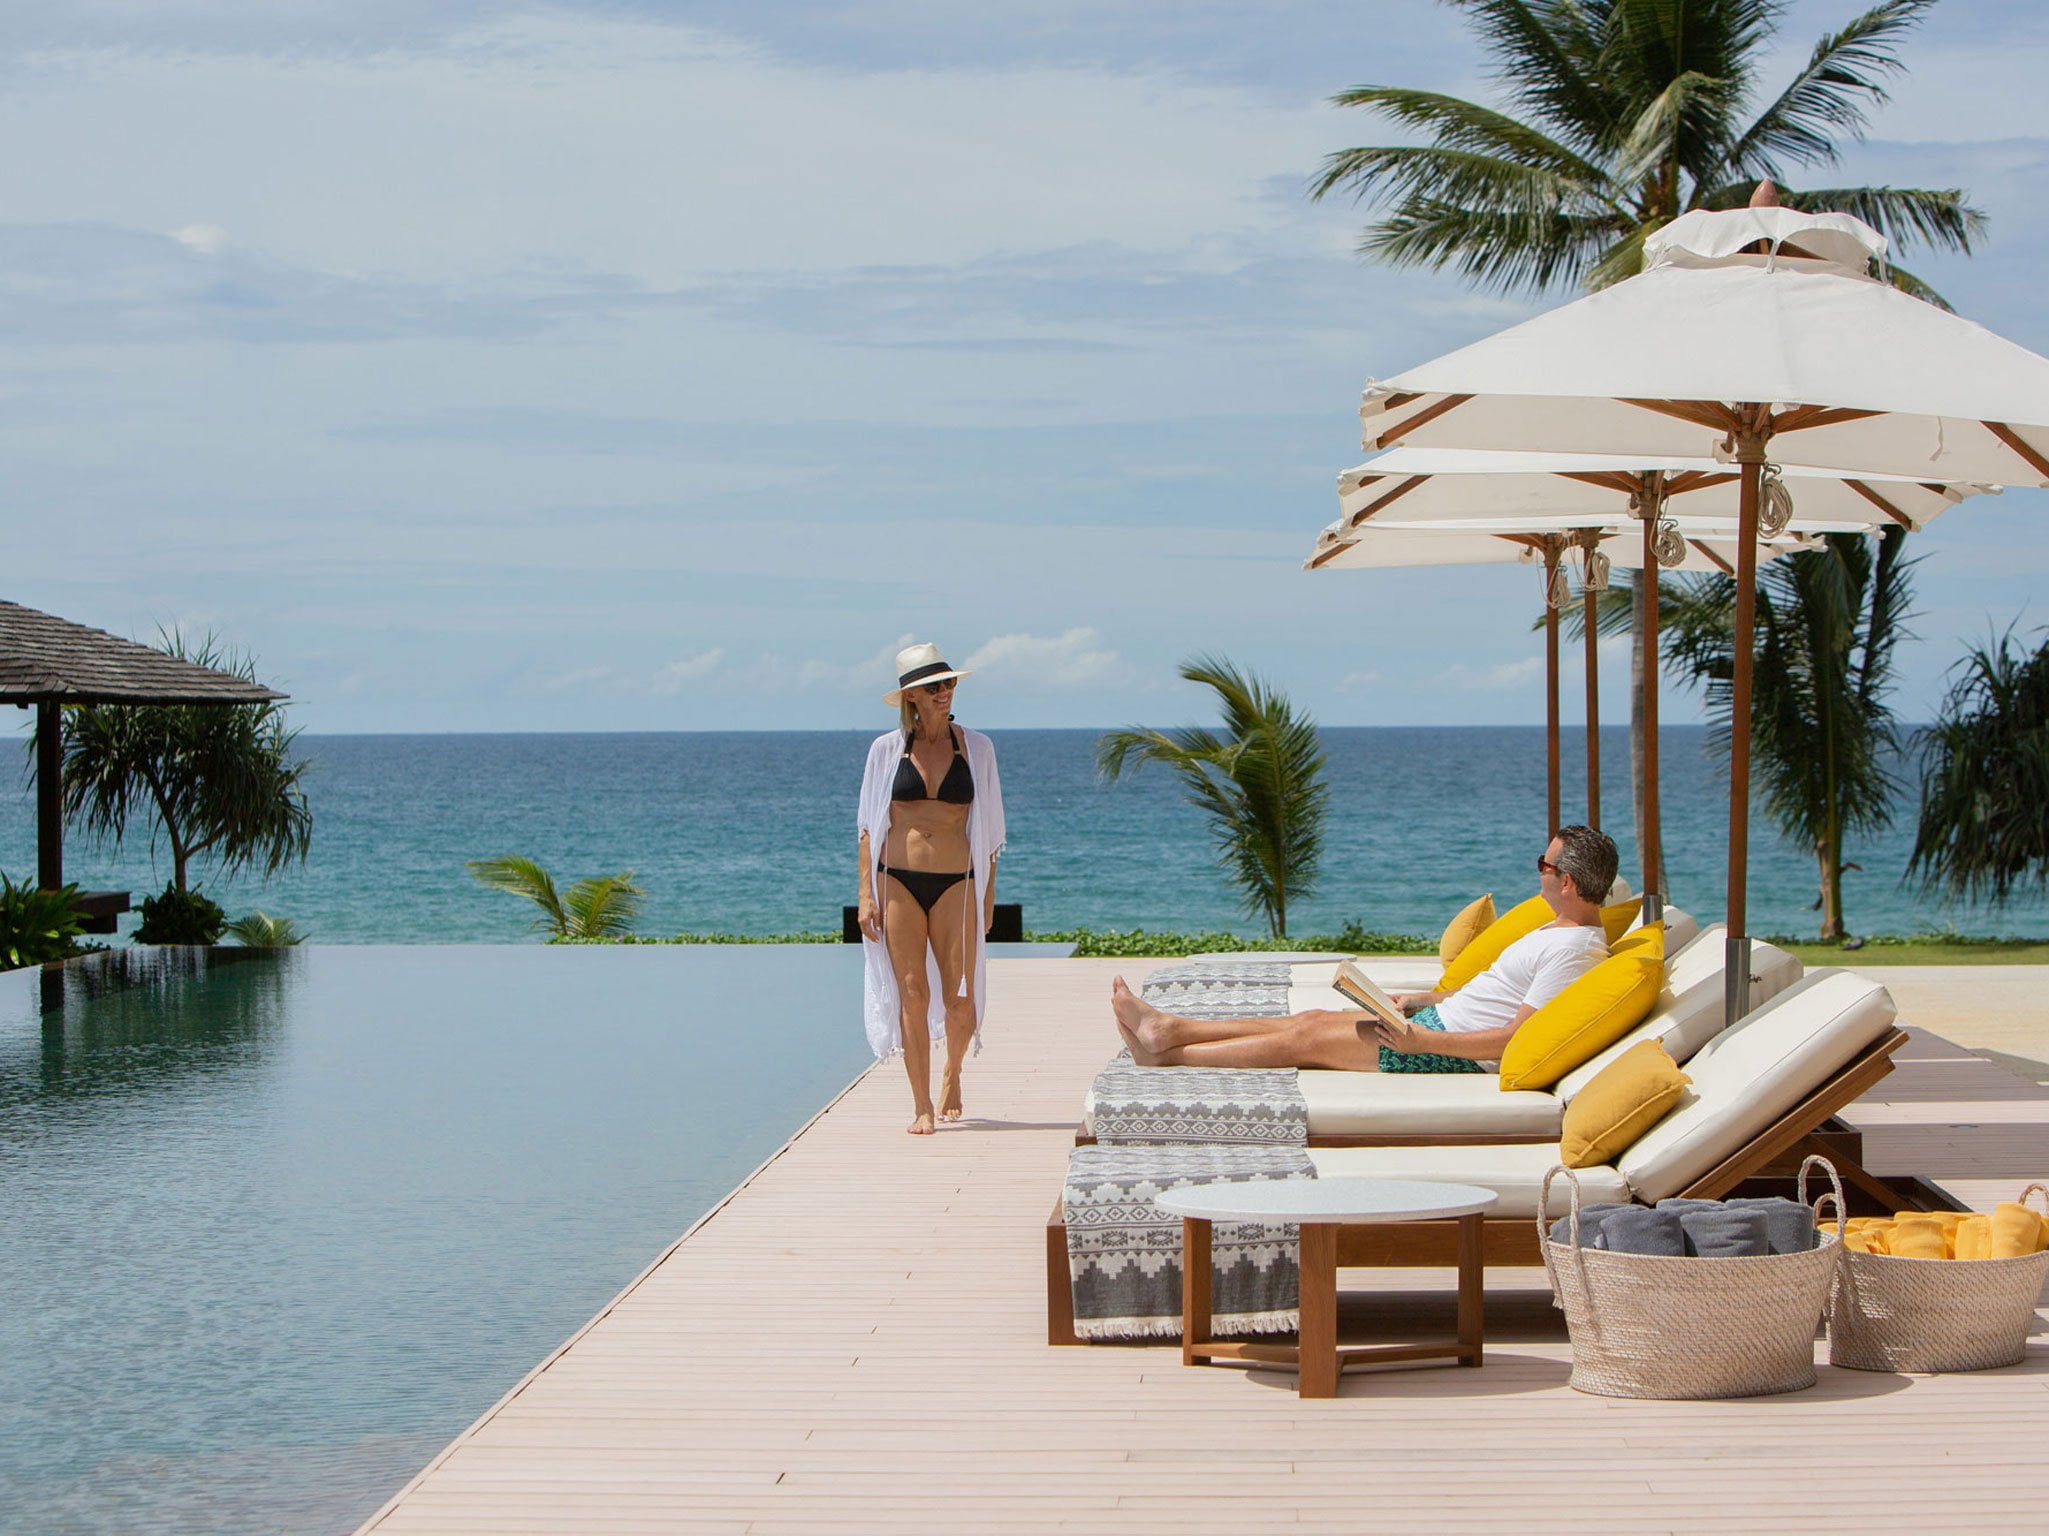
[(1422, 418), (2019, 445), (1695, 480), (1394, 495), (1801, 417), (1883, 505), (1607, 479), (1712, 558), (1705, 413)]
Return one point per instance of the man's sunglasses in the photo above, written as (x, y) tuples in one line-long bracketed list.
[(1545, 866)]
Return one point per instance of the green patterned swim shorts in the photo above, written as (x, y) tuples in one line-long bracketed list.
[(1425, 1061)]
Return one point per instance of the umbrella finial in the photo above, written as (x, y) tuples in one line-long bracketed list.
[(1766, 195)]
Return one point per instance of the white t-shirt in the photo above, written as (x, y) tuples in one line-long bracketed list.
[(1531, 971)]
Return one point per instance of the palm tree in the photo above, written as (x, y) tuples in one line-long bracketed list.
[(1821, 733), (601, 907), (1260, 783), (1984, 827), (219, 779), (1621, 115), (259, 930)]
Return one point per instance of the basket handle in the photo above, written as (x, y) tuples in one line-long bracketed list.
[(2035, 1189), (1544, 1244), (1833, 1192)]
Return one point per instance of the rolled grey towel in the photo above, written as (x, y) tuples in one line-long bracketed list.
[(1680, 1203), (1792, 1224), (1726, 1232), (1642, 1229), (1590, 1218)]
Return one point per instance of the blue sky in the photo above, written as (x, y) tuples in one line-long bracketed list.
[(663, 366)]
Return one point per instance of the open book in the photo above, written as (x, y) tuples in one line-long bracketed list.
[(1367, 993)]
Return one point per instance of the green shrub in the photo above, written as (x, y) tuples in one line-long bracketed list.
[(180, 917), (36, 925), (259, 930)]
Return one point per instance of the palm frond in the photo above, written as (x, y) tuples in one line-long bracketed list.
[(1984, 824), (602, 906), (517, 875), (1546, 56), (1937, 217), (1845, 77), (1502, 252), (259, 930), (1457, 124)]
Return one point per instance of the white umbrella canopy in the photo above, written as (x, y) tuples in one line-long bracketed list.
[(1837, 369), (1757, 335)]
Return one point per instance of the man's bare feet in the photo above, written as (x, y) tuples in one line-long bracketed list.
[(1143, 1026), (921, 1123), (949, 1096)]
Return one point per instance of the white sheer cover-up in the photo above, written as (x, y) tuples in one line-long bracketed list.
[(881, 1010)]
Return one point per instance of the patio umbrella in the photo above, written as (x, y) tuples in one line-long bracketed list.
[(1758, 336), (1628, 503), (1550, 540)]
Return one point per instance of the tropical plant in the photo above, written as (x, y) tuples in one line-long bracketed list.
[(180, 917), (36, 925), (1984, 829), (1260, 783), (259, 930), (601, 906), (1621, 115), (1821, 734), (1631, 112), (219, 779)]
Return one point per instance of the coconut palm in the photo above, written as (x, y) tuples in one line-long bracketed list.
[(1621, 115), (259, 930), (1984, 827), (1821, 733), (219, 780), (603, 906), (1260, 783)]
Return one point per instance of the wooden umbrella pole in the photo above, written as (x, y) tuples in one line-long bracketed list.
[(49, 795), (1750, 453), (1551, 792), (1591, 599), (1647, 834)]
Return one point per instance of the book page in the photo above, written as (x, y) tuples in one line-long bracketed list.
[(1367, 993)]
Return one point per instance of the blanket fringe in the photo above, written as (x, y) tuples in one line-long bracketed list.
[(1222, 1324)]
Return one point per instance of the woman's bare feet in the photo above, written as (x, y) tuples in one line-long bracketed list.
[(949, 1096), (1143, 1026), (921, 1123)]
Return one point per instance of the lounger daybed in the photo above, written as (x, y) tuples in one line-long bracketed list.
[(1762, 1092)]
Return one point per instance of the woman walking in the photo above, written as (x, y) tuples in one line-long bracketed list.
[(931, 825)]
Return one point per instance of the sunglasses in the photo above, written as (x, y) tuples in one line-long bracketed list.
[(937, 688), (1545, 866)]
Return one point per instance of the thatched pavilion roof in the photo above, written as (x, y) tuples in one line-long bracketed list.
[(45, 659)]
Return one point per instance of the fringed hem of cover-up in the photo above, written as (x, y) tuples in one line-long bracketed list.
[(1221, 1324)]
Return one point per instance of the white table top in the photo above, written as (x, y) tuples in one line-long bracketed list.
[(1326, 1200)]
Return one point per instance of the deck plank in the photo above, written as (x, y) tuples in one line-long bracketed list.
[(854, 1342)]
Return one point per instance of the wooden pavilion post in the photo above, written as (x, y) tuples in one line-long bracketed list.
[(49, 795), (1749, 444), (1552, 807), (1647, 845), (1590, 620)]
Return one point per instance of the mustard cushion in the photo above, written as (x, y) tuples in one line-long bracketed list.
[(1466, 927), (1586, 1018), (1615, 920), (1638, 938), (1486, 948), (1626, 1098)]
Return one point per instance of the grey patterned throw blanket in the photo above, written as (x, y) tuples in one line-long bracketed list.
[(1124, 1252), (1220, 989), (1239, 1106)]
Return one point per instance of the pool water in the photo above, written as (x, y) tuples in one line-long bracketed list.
[(276, 1225)]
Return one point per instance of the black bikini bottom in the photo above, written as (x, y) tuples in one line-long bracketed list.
[(924, 886)]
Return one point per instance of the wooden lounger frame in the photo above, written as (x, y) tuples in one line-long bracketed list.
[(1774, 1152)]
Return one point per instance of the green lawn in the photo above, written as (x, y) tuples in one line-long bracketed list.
[(1924, 949)]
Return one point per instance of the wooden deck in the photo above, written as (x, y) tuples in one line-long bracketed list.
[(854, 1342)]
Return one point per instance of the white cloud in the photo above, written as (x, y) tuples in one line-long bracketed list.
[(1359, 682), (1036, 663), (205, 239), (677, 675), (1527, 673)]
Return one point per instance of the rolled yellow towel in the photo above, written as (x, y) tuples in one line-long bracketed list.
[(2016, 1230), (1869, 1240), (1946, 1219), (1974, 1238), (1916, 1238)]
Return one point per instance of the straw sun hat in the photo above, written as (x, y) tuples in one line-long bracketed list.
[(917, 664)]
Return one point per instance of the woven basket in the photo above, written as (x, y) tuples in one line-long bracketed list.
[(1893, 1314), (1645, 1326)]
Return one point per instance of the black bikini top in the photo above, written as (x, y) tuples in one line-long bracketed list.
[(957, 788)]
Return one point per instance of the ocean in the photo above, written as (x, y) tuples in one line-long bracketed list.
[(753, 833)]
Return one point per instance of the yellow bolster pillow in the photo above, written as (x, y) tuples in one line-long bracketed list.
[(1585, 1019), (1486, 946), (1471, 922), (2016, 1231)]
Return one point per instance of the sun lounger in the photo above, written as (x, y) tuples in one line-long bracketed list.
[(1763, 1090)]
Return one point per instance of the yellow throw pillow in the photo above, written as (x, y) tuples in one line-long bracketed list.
[(1639, 938), (1626, 1098), (1486, 948), (1585, 1019), (1465, 928), (1615, 920)]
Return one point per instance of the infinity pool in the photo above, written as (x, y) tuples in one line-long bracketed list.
[(276, 1225)]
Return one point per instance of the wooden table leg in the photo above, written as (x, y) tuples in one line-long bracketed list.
[(1317, 1340), (1472, 1289), (1195, 1285)]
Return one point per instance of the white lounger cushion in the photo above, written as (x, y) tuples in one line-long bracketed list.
[(1418, 1103), (1752, 1074), (1516, 1173)]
